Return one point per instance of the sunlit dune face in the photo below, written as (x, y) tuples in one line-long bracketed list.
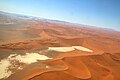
[(12, 60), (66, 49)]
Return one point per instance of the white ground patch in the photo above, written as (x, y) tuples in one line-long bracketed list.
[(66, 49), (47, 66), (4, 64), (61, 49), (31, 58), (82, 48), (28, 58)]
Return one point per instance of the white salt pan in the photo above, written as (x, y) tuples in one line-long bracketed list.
[(66, 49), (28, 58), (4, 64), (82, 48), (31, 58), (61, 49)]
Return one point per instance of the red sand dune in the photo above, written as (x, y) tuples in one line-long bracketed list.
[(101, 64)]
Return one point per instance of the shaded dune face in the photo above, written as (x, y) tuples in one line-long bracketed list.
[(72, 71), (77, 69), (92, 66), (100, 59), (101, 67), (55, 75), (72, 65)]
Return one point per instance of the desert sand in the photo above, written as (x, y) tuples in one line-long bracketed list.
[(49, 50)]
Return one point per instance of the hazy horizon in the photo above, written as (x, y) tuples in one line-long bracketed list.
[(100, 13)]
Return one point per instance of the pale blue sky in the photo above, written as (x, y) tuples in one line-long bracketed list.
[(100, 13)]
